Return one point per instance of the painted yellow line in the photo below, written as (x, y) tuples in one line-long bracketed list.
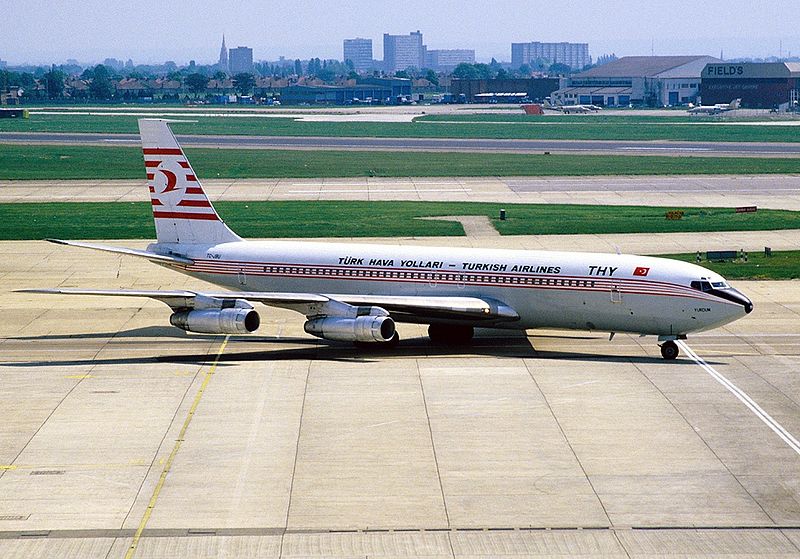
[(152, 503)]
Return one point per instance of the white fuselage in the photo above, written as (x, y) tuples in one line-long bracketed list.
[(570, 290)]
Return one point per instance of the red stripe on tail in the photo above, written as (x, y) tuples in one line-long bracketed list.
[(185, 215), (162, 151), (195, 203)]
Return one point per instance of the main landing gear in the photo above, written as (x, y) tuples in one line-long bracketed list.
[(669, 350), (450, 334)]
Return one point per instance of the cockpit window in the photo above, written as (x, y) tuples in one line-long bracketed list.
[(720, 285), (701, 285)]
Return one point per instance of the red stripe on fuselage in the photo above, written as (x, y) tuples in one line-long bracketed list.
[(598, 289)]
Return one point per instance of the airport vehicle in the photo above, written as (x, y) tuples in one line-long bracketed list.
[(715, 109), (357, 292)]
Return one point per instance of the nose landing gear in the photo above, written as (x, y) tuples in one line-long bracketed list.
[(669, 350)]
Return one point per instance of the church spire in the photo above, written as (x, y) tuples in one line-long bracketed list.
[(223, 56)]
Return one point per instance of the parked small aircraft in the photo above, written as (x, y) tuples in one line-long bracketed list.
[(715, 109)]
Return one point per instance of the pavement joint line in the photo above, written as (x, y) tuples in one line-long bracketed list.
[(92, 533), (162, 478), (296, 454), (779, 430), (433, 448)]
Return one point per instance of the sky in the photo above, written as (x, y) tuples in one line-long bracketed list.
[(149, 31)]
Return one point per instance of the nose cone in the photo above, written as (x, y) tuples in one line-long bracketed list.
[(735, 296), (746, 303)]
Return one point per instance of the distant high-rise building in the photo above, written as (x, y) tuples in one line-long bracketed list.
[(443, 60), (114, 64), (3, 64), (359, 52), (574, 55), (223, 56), (403, 51), (240, 60)]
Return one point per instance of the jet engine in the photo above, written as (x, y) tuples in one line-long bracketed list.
[(217, 321), (369, 328)]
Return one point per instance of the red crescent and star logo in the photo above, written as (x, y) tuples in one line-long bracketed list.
[(172, 180)]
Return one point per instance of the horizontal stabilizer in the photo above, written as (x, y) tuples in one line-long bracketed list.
[(169, 258)]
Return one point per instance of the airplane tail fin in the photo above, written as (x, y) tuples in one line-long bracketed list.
[(735, 104), (181, 210)]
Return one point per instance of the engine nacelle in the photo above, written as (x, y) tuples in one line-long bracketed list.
[(217, 321), (368, 328)]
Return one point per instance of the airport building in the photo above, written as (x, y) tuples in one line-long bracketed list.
[(403, 51), (240, 60), (759, 85), (359, 52), (445, 60), (574, 55), (653, 81), (503, 91), (385, 91)]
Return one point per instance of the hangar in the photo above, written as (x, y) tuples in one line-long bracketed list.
[(375, 90), (653, 81), (767, 85)]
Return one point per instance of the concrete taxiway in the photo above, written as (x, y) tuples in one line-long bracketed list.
[(124, 437), (765, 191), (617, 147)]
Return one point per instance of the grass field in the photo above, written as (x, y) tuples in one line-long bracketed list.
[(782, 265), (89, 162), (575, 127), (374, 219)]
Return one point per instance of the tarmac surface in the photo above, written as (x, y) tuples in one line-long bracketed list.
[(765, 191), (125, 437), (617, 147)]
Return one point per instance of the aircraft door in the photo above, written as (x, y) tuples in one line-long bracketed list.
[(616, 294)]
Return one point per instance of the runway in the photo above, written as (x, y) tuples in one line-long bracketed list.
[(120, 431), (708, 149)]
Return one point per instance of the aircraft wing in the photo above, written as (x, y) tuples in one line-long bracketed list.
[(402, 308), (418, 309)]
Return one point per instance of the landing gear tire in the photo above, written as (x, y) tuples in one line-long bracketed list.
[(669, 350), (446, 334)]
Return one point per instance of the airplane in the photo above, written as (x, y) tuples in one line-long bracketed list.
[(715, 109), (358, 292), (570, 109), (577, 109)]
